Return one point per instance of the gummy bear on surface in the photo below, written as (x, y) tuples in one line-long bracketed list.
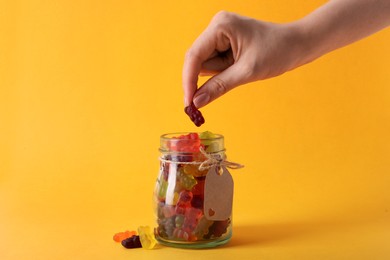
[(132, 242), (118, 237), (146, 237)]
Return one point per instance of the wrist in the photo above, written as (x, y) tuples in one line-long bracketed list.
[(305, 43)]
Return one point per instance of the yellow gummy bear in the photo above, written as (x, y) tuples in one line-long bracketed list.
[(146, 236)]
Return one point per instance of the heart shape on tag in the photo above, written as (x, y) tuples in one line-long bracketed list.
[(211, 212)]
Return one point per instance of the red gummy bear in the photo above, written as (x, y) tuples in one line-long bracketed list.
[(189, 143), (194, 114), (184, 202), (191, 219)]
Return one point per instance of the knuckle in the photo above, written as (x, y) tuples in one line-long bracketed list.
[(223, 18), (222, 15)]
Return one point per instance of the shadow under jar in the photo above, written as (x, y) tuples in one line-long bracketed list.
[(180, 192)]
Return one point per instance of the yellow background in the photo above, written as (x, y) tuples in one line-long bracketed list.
[(87, 88)]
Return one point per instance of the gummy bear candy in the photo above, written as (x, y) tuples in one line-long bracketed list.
[(132, 242), (193, 169), (118, 237), (181, 207), (186, 181), (198, 189), (203, 227), (168, 211), (218, 228), (185, 196), (179, 233), (210, 146), (187, 145), (206, 136), (175, 198), (191, 219), (179, 220), (162, 189), (166, 226), (146, 237), (184, 202), (164, 168), (197, 202), (194, 114), (172, 200)]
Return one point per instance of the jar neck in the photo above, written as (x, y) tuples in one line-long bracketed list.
[(191, 143)]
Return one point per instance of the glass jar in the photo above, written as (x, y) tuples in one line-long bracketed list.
[(182, 219)]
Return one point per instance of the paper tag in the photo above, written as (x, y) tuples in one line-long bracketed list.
[(218, 194)]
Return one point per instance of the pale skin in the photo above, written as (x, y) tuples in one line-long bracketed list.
[(236, 50)]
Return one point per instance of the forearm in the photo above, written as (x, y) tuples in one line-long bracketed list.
[(341, 22)]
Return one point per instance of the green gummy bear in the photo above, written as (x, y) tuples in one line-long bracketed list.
[(179, 220), (203, 227), (162, 189), (205, 136), (207, 140), (187, 181)]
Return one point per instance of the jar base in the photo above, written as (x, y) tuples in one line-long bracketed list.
[(195, 245)]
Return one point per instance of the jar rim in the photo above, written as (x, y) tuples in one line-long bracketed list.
[(176, 136)]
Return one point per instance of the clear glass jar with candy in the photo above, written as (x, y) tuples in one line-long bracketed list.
[(191, 208)]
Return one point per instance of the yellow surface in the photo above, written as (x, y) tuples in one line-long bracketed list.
[(87, 87)]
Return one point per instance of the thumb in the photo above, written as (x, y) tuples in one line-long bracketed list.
[(219, 84)]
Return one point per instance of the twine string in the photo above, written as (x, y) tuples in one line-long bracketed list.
[(211, 160)]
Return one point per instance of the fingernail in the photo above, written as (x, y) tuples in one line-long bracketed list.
[(201, 100)]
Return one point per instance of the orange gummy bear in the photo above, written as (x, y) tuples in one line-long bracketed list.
[(118, 237)]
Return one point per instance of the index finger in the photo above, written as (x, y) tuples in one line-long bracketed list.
[(200, 51)]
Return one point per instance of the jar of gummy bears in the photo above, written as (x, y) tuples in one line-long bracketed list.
[(194, 191)]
